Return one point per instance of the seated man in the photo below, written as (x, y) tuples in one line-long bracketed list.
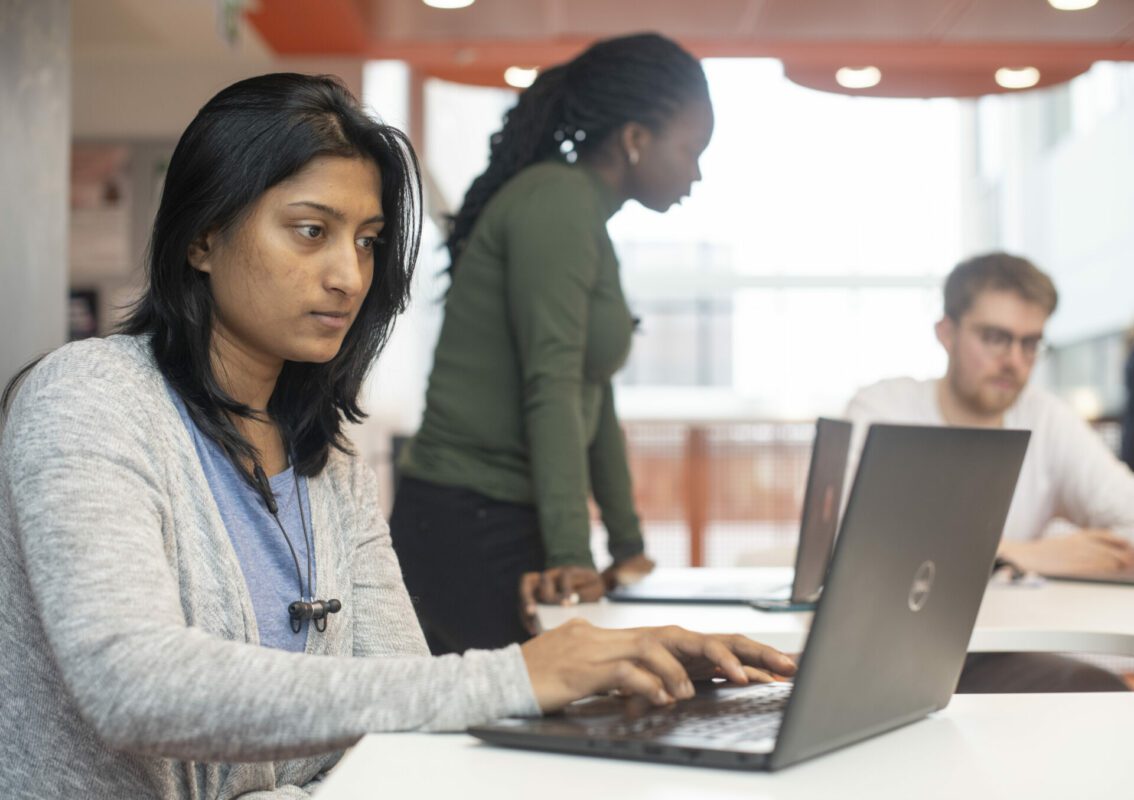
[(996, 307)]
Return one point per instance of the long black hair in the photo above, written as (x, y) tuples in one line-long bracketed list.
[(245, 140), (575, 107)]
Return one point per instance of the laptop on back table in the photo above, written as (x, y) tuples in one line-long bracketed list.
[(818, 524)]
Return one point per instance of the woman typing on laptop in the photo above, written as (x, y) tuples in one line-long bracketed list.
[(203, 600)]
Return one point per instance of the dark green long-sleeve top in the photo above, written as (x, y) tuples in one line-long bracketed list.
[(520, 405)]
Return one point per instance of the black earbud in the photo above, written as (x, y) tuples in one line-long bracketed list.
[(317, 611)]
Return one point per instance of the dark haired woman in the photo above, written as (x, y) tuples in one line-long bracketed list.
[(201, 596), (519, 426)]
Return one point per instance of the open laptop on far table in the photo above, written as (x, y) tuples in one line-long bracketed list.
[(889, 634), (819, 522)]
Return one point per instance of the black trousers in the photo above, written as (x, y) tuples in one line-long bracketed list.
[(1006, 673), (462, 555)]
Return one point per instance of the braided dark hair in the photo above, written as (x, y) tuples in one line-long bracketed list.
[(573, 108)]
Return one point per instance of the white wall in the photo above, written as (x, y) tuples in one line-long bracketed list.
[(1078, 210), (142, 98), (1067, 205)]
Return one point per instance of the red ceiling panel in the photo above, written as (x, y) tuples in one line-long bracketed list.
[(925, 48)]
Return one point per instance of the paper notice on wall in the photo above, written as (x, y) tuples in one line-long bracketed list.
[(100, 213)]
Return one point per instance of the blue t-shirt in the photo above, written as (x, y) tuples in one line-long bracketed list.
[(265, 559)]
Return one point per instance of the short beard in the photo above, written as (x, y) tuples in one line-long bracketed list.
[(979, 402)]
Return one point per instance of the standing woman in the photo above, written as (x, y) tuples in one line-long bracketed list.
[(201, 597), (519, 425)]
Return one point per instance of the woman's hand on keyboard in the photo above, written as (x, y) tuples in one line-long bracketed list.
[(577, 659)]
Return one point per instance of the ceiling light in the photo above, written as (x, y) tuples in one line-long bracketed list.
[(858, 77), (448, 3), (1071, 5), (1022, 78), (520, 77)]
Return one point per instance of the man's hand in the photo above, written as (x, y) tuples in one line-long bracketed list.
[(577, 659), (557, 586), (1082, 552), (628, 571)]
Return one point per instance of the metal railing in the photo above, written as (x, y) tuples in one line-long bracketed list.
[(727, 487)]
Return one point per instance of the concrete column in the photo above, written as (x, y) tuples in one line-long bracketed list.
[(35, 136)]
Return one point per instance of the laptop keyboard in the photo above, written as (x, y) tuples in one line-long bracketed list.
[(750, 715)]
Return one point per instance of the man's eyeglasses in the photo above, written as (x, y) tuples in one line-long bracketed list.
[(998, 342)]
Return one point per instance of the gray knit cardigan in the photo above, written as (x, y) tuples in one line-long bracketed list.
[(128, 645)]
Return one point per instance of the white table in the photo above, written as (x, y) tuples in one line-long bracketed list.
[(1040, 747), (1059, 616)]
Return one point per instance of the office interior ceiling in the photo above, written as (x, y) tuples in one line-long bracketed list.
[(923, 47)]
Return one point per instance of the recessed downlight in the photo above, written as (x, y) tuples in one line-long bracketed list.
[(858, 77), (520, 77), (1072, 5), (448, 3), (1017, 77)]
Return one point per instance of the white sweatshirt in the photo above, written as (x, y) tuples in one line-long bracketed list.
[(1068, 472)]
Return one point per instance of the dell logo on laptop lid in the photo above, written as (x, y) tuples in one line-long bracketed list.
[(922, 583)]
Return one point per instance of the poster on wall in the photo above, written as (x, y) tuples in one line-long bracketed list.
[(100, 213)]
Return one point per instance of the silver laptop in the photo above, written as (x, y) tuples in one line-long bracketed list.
[(818, 524), (889, 635)]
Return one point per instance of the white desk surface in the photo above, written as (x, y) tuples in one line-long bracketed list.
[(1058, 616), (1040, 747)]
